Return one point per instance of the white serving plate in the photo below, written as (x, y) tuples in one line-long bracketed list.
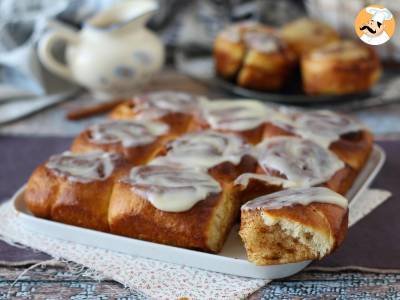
[(231, 260)]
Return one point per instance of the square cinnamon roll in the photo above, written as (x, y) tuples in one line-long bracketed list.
[(137, 141), (173, 205), (75, 188), (180, 111), (289, 162), (224, 156), (350, 140)]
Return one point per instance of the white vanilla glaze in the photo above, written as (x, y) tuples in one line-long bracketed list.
[(244, 179), (236, 115), (84, 167), (233, 33), (262, 41), (254, 35), (321, 126), (172, 188), (157, 104), (299, 160), (289, 197), (205, 149), (128, 133)]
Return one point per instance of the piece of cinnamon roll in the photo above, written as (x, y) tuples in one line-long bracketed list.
[(345, 136), (344, 67), (254, 56), (293, 225), (137, 141), (287, 162), (304, 35), (173, 205), (178, 110), (224, 156), (245, 118), (74, 188)]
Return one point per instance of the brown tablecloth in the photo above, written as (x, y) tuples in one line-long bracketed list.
[(372, 244)]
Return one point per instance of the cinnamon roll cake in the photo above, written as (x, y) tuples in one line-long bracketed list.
[(175, 169)]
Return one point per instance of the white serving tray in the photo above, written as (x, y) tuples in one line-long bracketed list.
[(231, 260)]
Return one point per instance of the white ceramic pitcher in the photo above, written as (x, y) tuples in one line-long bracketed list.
[(113, 54)]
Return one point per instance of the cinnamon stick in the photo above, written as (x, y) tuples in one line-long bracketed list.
[(92, 110)]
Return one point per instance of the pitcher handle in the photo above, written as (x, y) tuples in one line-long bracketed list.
[(45, 48)]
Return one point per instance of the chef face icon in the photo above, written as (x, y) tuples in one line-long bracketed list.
[(372, 28), (372, 25)]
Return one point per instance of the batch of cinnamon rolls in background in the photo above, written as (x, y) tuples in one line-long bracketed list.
[(180, 169), (260, 57)]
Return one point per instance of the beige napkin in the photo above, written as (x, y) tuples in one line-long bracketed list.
[(153, 278)]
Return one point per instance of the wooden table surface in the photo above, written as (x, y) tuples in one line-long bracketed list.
[(59, 282)]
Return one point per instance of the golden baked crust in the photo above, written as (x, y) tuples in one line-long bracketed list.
[(204, 227), (83, 204), (343, 67), (228, 172), (228, 57), (304, 35)]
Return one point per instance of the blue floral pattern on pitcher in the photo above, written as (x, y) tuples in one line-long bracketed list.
[(124, 72), (143, 57)]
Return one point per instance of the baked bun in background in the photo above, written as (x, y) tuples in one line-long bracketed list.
[(173, 205), (293, 225), (224, 156), (75, 188), (343, 67), (136, 141), (229, 49), (176, 109), (304, 35), (254, 56)]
